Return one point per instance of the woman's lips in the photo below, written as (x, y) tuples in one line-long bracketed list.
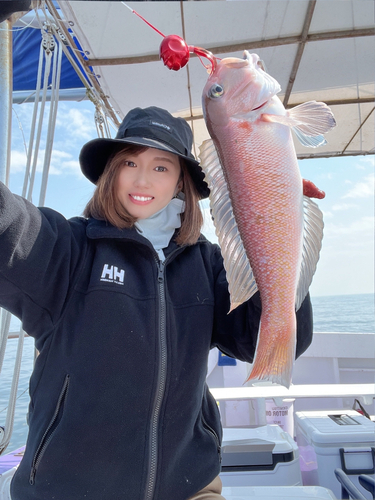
[(140, 199)]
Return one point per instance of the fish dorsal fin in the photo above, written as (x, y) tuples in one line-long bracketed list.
[(309, 121), (312, 243), (240, 276)]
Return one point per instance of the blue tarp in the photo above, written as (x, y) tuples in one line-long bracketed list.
[(26, 47)]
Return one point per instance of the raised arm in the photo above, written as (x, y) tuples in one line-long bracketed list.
[(39, 253)]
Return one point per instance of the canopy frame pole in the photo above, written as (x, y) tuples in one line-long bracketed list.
[(300, 49), (6, 75)]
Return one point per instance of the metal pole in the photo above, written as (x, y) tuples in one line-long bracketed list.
[(6, 75)]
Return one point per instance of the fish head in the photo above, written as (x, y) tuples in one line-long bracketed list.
[(237, 88)]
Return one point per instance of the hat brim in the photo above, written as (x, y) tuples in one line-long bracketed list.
[(95, 154)]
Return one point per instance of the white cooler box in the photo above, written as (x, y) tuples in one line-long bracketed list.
[(277, 493), (261, 456), (334, 439)]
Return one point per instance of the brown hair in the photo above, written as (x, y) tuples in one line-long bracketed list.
[(105, 204)]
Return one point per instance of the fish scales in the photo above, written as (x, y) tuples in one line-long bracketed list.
[(251, 131), (266, 192)]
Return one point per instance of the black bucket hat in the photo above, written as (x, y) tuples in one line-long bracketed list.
[(152, 127)]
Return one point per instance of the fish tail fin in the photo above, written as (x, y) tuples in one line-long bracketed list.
[(274, 364)]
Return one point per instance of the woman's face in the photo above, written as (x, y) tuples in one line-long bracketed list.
[(148, 181)]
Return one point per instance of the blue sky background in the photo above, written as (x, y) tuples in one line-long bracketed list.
[(346, 264)]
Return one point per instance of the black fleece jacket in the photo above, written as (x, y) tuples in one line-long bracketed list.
[(119, 404)]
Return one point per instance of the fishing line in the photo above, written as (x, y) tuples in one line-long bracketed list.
[(143, 19), (23, 134), (175, 52)]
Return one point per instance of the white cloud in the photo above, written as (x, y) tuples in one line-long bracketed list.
[(17, 161), (364, 162), (54, 170), (363, 189), (326, 214), (326, 175), (364, 224), (72, 167), (78, 124), (61, 162), (64, 163), (344, 206)]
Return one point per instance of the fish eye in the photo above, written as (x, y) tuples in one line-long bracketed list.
[(216, 90)]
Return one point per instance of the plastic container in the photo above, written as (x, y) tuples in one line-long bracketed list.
[(281, 415), (277, 493), (335, 439), (259, 456)]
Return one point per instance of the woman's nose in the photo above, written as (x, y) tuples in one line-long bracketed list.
[(142, 179)]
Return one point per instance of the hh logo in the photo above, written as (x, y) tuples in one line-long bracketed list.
[(112, 274)]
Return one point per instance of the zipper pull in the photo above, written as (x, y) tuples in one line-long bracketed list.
[(160, 271), (32, 476)]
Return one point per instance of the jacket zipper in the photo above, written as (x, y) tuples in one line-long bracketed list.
[(160, 384), (214, 435), (47, 436)]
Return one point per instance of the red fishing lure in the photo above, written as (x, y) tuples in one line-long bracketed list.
[(175, 52)]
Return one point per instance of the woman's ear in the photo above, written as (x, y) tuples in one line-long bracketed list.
[(179, 187)]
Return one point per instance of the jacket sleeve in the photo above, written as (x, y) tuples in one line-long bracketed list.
[(236, 333), (39, 252)]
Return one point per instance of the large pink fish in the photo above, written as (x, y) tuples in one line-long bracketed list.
[(257, 201)]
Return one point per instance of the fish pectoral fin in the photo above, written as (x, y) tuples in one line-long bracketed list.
[(305, 140), (312, 244), (312, 118), (309, 122), (309, 141)]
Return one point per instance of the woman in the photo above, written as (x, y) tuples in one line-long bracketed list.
[(124, 306)]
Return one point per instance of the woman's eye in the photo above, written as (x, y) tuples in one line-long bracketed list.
[(128, 163), (161, 169)]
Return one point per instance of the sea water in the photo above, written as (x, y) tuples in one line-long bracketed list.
[(342, 313)]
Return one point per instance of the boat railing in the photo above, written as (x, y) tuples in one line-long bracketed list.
[(365, 393)]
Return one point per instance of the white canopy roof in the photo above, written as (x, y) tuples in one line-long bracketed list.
[(317, 50)]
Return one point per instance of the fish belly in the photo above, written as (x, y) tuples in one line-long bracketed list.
[(266, 192)]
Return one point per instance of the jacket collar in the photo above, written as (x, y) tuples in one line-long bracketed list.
[(99, 229)]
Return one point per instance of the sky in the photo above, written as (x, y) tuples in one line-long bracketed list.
[(346, 264)]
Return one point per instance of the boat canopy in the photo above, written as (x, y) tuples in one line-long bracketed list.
[(317, 50)]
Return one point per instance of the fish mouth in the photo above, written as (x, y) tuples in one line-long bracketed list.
[(261, 106)]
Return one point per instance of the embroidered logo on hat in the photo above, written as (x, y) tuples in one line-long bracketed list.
[(160, 125)]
